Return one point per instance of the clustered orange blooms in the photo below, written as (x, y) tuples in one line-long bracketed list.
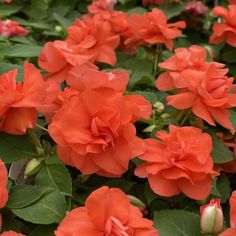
[(202, 86), (4, 197), (106, 212), (10, 28), (92, 119), (232, 230)]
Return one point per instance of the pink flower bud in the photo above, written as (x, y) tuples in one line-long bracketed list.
[(196, 8), (212, 217)]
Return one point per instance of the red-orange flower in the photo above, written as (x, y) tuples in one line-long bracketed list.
[(180, 161), (101, 6), (194, 57), (232, 230), (11, 233), (225, 30), (89, 40), (232, 1), (207, 93), (94, 131), (153, 28), (89, 77), (18, 101), (107, 212)]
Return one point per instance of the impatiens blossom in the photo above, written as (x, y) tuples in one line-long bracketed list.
[(107, 212), (207, 93), (232, 1), (152, 28), (10, 28), (212, 218), (179, 161), (232, 230), (94, 131), (225, 30), (3, 184), (11, 233), (101, 6), (194, 58), (89, 40), (18, 102), (196, 8)]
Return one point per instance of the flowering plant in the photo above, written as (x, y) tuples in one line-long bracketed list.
[(117, 118)]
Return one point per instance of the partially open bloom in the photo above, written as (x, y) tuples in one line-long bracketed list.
[(11, 233), (212, 218), (232, 230), (94, 130), (194, 57), (196, 8), (180, 161), (225, 30), (207, 93), (101, 6), (89, 40), (106, 212), (10, 28), (18, 102), (152, 28)]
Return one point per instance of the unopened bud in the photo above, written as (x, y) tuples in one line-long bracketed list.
[(33, 167), (58, 28), (159, 107), (136, 202), (149, 129), (165, 116), (212, 217)]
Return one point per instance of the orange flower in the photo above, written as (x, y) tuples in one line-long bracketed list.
[(3, 188), (194, 57), (18, 101), (11, 233), (101, 6), (180, 161), (208, 94), (94, 131), (153, 28), (232, 1), (106, 212), (89, 40), (87, 77), (231, 231), (225, 30)]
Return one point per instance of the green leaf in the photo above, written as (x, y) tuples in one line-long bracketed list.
[(20, 50), (7, 10), (221, 153), (5, 67), (23, 195), (124, 185), (14, 148), (171, 9), (177, 223), (223, 186), (51, 208), (56, 176), (232, 118), (64, 22)]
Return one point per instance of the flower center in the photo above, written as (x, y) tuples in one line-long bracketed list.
[(115, 228)]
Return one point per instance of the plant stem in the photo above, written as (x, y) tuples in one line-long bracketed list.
[(158, 58), (41, 127)]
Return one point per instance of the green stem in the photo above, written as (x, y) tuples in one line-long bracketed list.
[(185, 117), (158, 58), (35, 138), (41, 127)]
